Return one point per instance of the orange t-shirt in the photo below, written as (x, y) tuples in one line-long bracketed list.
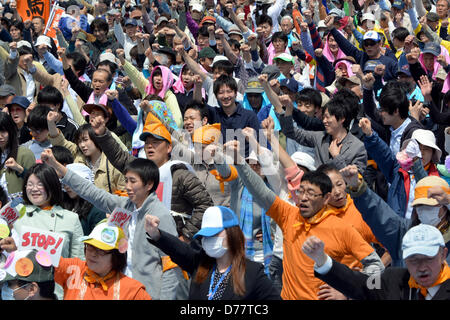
[(340, 238), (351, 215), (70, 275)]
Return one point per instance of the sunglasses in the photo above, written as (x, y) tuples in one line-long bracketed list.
[(369, 43)]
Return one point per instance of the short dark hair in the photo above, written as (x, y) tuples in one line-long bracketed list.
[(319, 179), (146, 169), (264, 18), (393, 97), (327, 168), (280, 35), (400, 33), (40, 18), (62, 155), (99, 23), (203, 31), (339, 109), (47, 175), (37, 118), (50, 95), (200, 107), (78, 61), (90, 131), (311, 96), (224, 80), (23, 50), (46, 288), (112, 66), (17, 24), (223, 65), (234, 42), (351, 100)]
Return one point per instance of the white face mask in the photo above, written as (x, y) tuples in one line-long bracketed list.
[(429, 215), (213, 246)]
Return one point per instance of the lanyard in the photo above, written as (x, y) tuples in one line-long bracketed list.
[(213, 292)]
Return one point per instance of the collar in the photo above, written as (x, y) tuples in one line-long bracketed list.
[(401, 128), (317, 218), (55, 209), (64, 120), (91, 277), (238, 110)]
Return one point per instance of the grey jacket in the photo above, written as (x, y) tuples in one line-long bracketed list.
[(146, 259), (352, 151)]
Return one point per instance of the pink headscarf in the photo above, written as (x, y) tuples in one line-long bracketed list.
[(436, 66), (329, 55), (167, 81), (272, 54), (349, 67), (178, 86)]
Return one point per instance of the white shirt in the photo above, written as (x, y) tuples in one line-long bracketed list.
[(131, 231), (31, 86), (396, 136)]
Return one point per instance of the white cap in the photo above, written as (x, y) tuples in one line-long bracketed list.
[(426, 138), (108, 56), (368, 16), (197, 7), (24, 43), (43, 40), (218, 58), (303, 159), (422, 239), (81, 170), (252, 156), (321, 24)]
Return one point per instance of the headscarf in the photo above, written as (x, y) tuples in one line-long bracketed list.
[(178, 86), (329, 55), (167, 81)]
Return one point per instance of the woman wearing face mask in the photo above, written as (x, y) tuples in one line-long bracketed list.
[(220, 270), (38, 285), (387, 226)]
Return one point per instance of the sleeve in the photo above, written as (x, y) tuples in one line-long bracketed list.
[(299, 135), (76, 246), (274, 12), (5, 36), (223, 23), (76, 113), (123, 116), (192, 25), (346, 46), (172, 104), (356, 154), (136, 77), (315, 36), (77, 85), (256, 186), (195, 193), (65, 269), (54, 63), (101, 199), (180, 252), (382, 154), (263, 287), (306, 122), (113, 151), (388, 227), (118, 32), (60, 140), (307, 43)]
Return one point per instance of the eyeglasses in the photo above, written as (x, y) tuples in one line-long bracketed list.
[(96, 251), (310, 194), (31, 186)]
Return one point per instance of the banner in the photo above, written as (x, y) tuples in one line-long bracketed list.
[(53, 24), (28, 9), (50, 242)]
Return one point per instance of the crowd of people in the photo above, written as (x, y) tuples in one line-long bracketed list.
[(264, 150)]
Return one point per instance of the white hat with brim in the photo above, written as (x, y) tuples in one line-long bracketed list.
[(218, 58), (422, 239), (303, 159), (43, 40), (426, 138)]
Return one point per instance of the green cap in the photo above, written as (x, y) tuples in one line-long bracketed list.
[(207, 52)]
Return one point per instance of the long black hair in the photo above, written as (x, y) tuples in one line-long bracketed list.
[(7, 124)]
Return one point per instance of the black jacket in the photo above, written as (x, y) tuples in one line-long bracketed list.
[(188, 256), (393, 284)]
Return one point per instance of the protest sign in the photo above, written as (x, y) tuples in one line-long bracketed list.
[(120, 217), (51, 242)]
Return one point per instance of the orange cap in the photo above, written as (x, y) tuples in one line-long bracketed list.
[(207, 134), (155, 128)]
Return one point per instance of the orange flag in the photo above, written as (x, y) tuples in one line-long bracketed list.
[(28, 9)]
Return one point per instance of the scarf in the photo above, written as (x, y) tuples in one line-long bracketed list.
[(167, 79), (222, 180), (444, 275), (436, 66), (178, 86), (246, 224), (329, 55), (317, 218), (340, 211), (92, 277)]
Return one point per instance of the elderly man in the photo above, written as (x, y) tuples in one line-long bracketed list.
[(287, 27), (425, 278)]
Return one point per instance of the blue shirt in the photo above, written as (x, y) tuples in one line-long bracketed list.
[(396, 136), (240, 119)]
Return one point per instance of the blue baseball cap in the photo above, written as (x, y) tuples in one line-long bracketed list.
[(20, 101), (370, 65), (215, 219), (132, 22), (372, 35), (291, 84), (399, 4), (433, 48)]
